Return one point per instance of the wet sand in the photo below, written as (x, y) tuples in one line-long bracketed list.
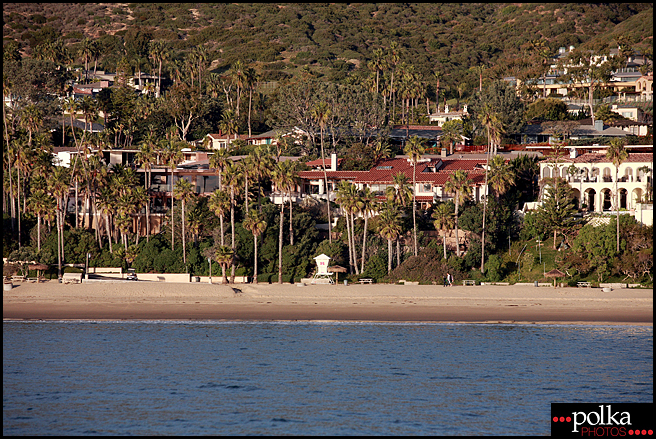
[(378, 302)]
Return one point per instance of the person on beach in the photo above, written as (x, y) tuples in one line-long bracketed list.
[(446, 280), (449, 279)]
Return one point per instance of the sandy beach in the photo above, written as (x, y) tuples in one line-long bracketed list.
[(378, 302)]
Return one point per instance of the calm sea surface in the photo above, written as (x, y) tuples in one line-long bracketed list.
[(162, 377)]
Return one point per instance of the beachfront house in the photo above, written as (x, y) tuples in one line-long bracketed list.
[(592, 179)]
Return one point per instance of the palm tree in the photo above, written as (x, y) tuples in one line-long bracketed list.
[(501, 176), (251, 81), (159, 52), (58, 186), (321, 113), (229, 125), (389, 227), (255, 223), (414, 149), (232, 180), (368, 206), (494, 126), (460, 184), (225, 256), (147, 157), (262, 163), (282, 176), (238, 78), (444, 220), (219, 161), (31, 119), (346, 195), (219, 204), (617, 154), (172, 155), (40, 203), (184, 191), (86, 52), (105, 205), (451, 133)]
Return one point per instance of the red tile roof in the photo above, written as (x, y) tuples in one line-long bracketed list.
[(384, 171), (333, 175)]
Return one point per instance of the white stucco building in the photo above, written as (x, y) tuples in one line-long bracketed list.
[(592, 177)]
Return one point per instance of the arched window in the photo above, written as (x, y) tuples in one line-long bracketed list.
[(546, 172), (563, 172), (628, 173)]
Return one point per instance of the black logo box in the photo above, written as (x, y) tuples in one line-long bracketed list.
[(602, 419)]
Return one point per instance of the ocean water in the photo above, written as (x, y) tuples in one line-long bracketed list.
[(299, 378)]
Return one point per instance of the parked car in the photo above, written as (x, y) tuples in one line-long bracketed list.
[(132, 274)]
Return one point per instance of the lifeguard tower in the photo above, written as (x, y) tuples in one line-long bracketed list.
[(322, 275)]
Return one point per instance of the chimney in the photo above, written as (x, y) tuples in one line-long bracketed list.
[(599, 125), (573, 153), (443, 152), (333, 162)]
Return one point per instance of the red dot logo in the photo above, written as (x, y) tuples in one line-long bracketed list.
[(555, 419), (568, 419)]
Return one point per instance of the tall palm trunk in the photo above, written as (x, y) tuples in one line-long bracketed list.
[(355, 256), (59, 255), (232, 224), (325, 179), (255, 259), (457, 240), (184, 240), (364, 242), (414, 204), (282, 215), (38, 232), (291, 227), (109, 234), (389, 256), (487, 160), (172, 216)]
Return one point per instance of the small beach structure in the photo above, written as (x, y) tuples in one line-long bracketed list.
[(555, 273), (322, 275)]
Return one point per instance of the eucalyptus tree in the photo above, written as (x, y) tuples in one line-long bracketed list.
[(459, 184), (321, 113), (414, 149), (254, 223), (443, 217), (184, 191), (617, 154)]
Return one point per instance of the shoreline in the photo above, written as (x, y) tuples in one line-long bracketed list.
[(377, 303)]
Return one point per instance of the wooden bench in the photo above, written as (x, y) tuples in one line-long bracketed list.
[(584, 284), (468, 282), (365, 281)]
